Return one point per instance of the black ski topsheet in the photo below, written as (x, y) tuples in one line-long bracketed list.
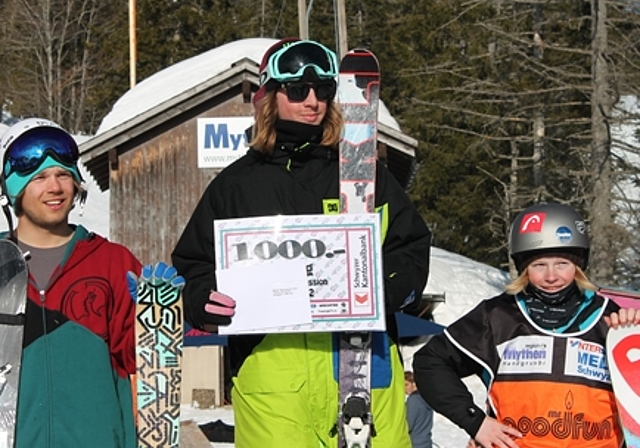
[(358, 94), (13, 297)]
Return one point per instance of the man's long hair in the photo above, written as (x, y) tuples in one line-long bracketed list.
[(264, 131)]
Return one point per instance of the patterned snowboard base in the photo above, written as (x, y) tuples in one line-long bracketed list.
[(158, 362)]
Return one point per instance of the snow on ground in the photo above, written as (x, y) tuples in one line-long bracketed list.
[(202, 416), (445, 434)]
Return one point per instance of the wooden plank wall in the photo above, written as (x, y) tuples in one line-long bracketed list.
[(154, 190), (158, 184)]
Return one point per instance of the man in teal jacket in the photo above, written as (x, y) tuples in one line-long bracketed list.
[(79, 339)]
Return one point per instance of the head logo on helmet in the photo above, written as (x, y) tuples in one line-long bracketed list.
[(532, 222)]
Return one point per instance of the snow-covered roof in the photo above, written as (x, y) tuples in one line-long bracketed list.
[(184, 75)]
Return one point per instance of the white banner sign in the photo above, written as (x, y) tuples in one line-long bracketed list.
[(342, 257), (221, 141)]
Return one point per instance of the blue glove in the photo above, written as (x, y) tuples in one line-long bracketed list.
[(132, 283), (162, 273), (155, 275)]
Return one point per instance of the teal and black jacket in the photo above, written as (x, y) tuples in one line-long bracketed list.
[(79, 351)]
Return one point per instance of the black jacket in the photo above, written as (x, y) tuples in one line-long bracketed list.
[(441, 364), (294, 182)]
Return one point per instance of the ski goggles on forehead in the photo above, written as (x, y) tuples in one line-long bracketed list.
[(299, 91), (30, 149), (290, 63)]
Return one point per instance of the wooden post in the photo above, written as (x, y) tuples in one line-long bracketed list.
[(302, 19), (341, 16), (132, 43)]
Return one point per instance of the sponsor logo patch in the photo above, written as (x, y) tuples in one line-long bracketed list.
[(567, 424), (564, 235), (526, 354), (587, 360)]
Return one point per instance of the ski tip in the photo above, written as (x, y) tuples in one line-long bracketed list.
[(362, 52), (359, 60)]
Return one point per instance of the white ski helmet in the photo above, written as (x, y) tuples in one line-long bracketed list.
[(19, 128), (548, 228), (30, 146)]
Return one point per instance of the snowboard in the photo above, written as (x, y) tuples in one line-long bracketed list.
[(159, 337), (623, 357), (358, 95), (13, 297)]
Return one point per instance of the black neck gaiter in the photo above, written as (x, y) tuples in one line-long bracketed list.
[(552, 310), (297, 134)]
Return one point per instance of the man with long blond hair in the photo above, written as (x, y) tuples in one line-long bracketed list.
[(539, 347), (285, 389)]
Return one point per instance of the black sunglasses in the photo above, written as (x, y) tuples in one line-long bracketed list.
[(299, 90)]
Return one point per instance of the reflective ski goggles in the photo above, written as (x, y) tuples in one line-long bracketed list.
[(290, 63), (29, 150), (299, 91)]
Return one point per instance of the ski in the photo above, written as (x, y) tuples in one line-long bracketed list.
[(159, 336), (14, 278), (358, 94)]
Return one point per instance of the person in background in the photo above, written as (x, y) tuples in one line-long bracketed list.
[(285, 389), (79, 341), (529, 345), (419, 414)]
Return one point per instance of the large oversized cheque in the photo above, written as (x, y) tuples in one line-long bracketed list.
[(342, 264)]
